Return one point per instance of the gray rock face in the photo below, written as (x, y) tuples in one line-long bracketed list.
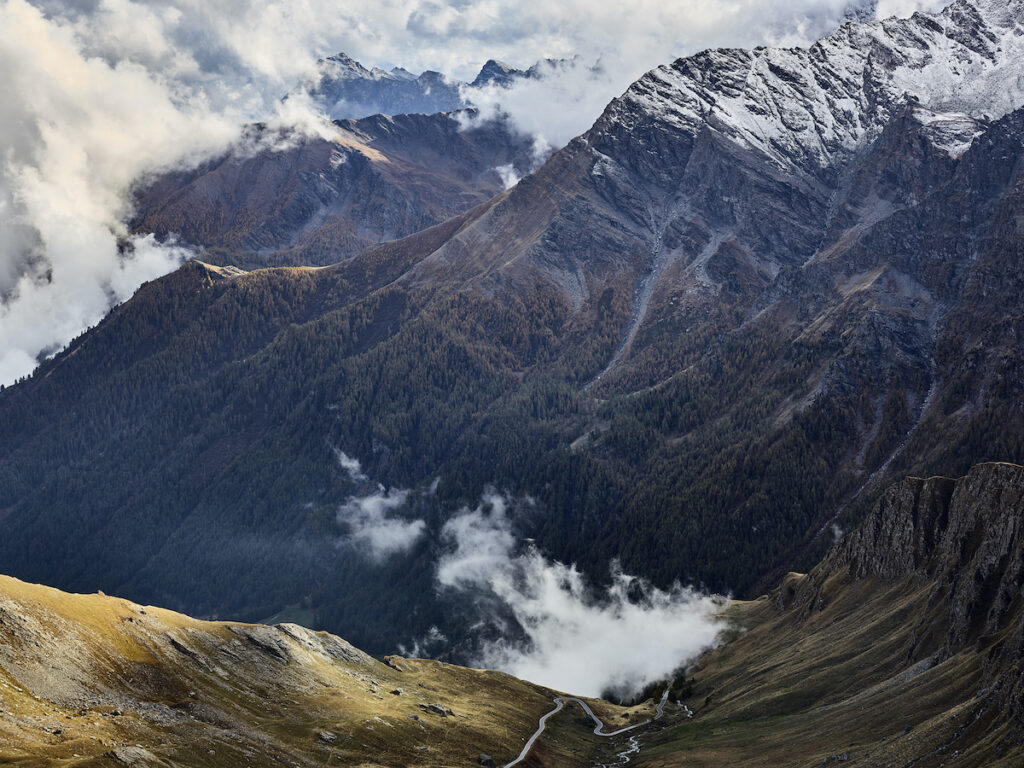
[(901, 534), (965, 537), (138, 757), (327, 644), (966, 534), (496, 73)]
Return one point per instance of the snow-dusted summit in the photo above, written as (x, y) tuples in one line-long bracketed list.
[(347, 89), (811, 107)]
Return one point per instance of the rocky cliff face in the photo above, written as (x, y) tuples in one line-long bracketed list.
[(902, 647), (967, 535), (964, 541)]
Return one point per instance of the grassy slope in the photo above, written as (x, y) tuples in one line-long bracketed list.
[(84, 678), (801, 687)]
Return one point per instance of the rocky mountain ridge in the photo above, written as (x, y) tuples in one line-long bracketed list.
[(345, 89), (812, 108), (318, 201), (966, 537)]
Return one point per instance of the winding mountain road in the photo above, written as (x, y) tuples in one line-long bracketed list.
[(560, 702)]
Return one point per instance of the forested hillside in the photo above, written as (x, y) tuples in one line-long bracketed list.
[(692, 352)]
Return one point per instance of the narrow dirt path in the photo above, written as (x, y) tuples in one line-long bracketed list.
[(560, 702)]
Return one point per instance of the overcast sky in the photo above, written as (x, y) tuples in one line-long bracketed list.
[(96, 94)]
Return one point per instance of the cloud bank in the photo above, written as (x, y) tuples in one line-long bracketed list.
[(577, 639), (374, 526), (100, 94)]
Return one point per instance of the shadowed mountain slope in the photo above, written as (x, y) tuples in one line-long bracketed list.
[(903, 647)]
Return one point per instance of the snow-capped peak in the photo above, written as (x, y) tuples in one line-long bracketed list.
[(952, 132), (812, 106)]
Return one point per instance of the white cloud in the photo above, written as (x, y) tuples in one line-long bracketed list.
[(351, 466), (422, 647), (508, 175), (76, 132), (374, 527), (905, 8), (483, 544), (93, 98), (579, 640)]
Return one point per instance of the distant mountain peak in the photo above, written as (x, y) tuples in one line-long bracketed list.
[(494, 71), (347, 89), (343, 65)]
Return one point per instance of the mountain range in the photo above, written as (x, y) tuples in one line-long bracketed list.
[(344, 88), (701, 339)]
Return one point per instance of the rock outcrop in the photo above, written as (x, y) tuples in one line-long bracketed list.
[(963, 540), (901, 648)]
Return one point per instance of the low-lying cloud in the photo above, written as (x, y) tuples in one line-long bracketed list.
[(374, 525), (94, 98), (577, 638)]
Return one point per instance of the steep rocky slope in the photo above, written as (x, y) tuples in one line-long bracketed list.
[(318, 201), (903, 647), (90, 680)]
